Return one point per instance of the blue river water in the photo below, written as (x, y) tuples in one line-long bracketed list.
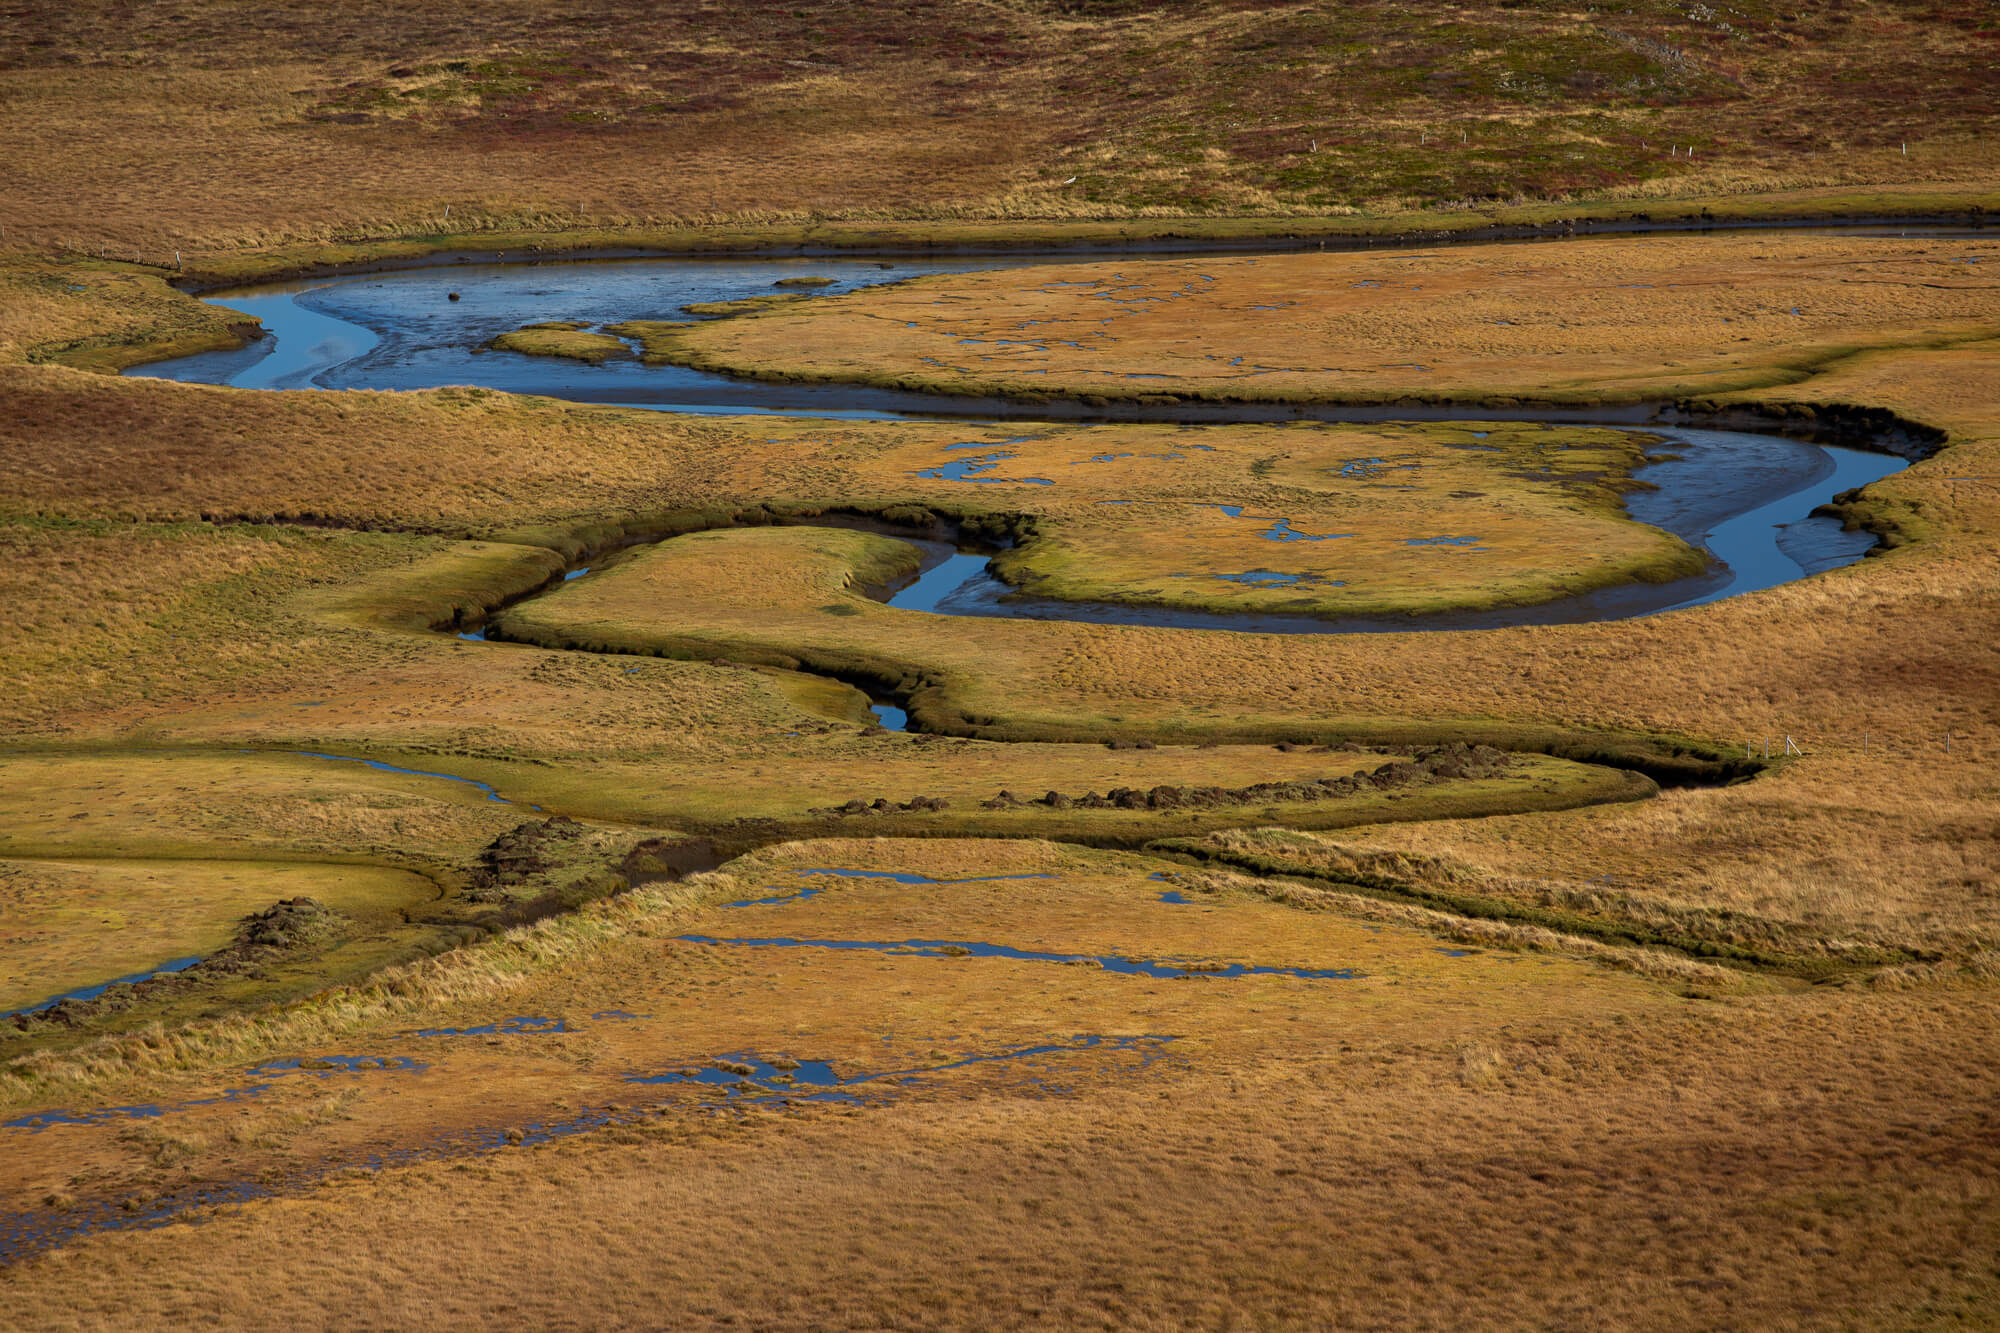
[(1747, 499)]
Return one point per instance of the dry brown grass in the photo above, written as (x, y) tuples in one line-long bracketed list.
[(1656, 964), (449, 459), (1448, 1142), (1897, 649), (1520, 1136), (224, 123), (1896, 848)]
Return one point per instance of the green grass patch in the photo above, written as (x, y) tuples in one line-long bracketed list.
[(570, 341)]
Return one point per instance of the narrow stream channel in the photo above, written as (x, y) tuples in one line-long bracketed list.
[(1745, 498)]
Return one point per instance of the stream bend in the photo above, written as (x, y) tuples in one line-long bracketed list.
[(1746, 499)]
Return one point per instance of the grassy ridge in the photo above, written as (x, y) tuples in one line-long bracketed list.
[(1737, 940)]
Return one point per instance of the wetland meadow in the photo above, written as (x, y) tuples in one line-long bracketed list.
[(1086, 665)]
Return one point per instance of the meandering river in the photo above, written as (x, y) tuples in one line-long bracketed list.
[(1747, 499)]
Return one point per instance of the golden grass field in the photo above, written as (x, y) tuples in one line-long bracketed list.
[(1632, 319), (1600, 1053), (1453, 1130), (1653, 988), (1385, 520), (85, 921)]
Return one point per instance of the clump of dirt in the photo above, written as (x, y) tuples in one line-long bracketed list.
[(285, 924), (881, 805), (546, 867), (1460, 761), (665, 859), (1454, 762), (518, 855)]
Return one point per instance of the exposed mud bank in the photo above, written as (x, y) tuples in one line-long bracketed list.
[(1874, 428)]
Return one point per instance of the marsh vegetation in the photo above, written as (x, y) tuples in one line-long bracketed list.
[(428, 813)]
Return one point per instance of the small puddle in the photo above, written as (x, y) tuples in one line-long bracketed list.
[(905, 877), (974, 469), (769, 1083), (1271, 578), (1281, 529), (262, 1076), (797, 896), (988, 445), (899, 876), (526, 1026), (744, 1077), (1372, 469)]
